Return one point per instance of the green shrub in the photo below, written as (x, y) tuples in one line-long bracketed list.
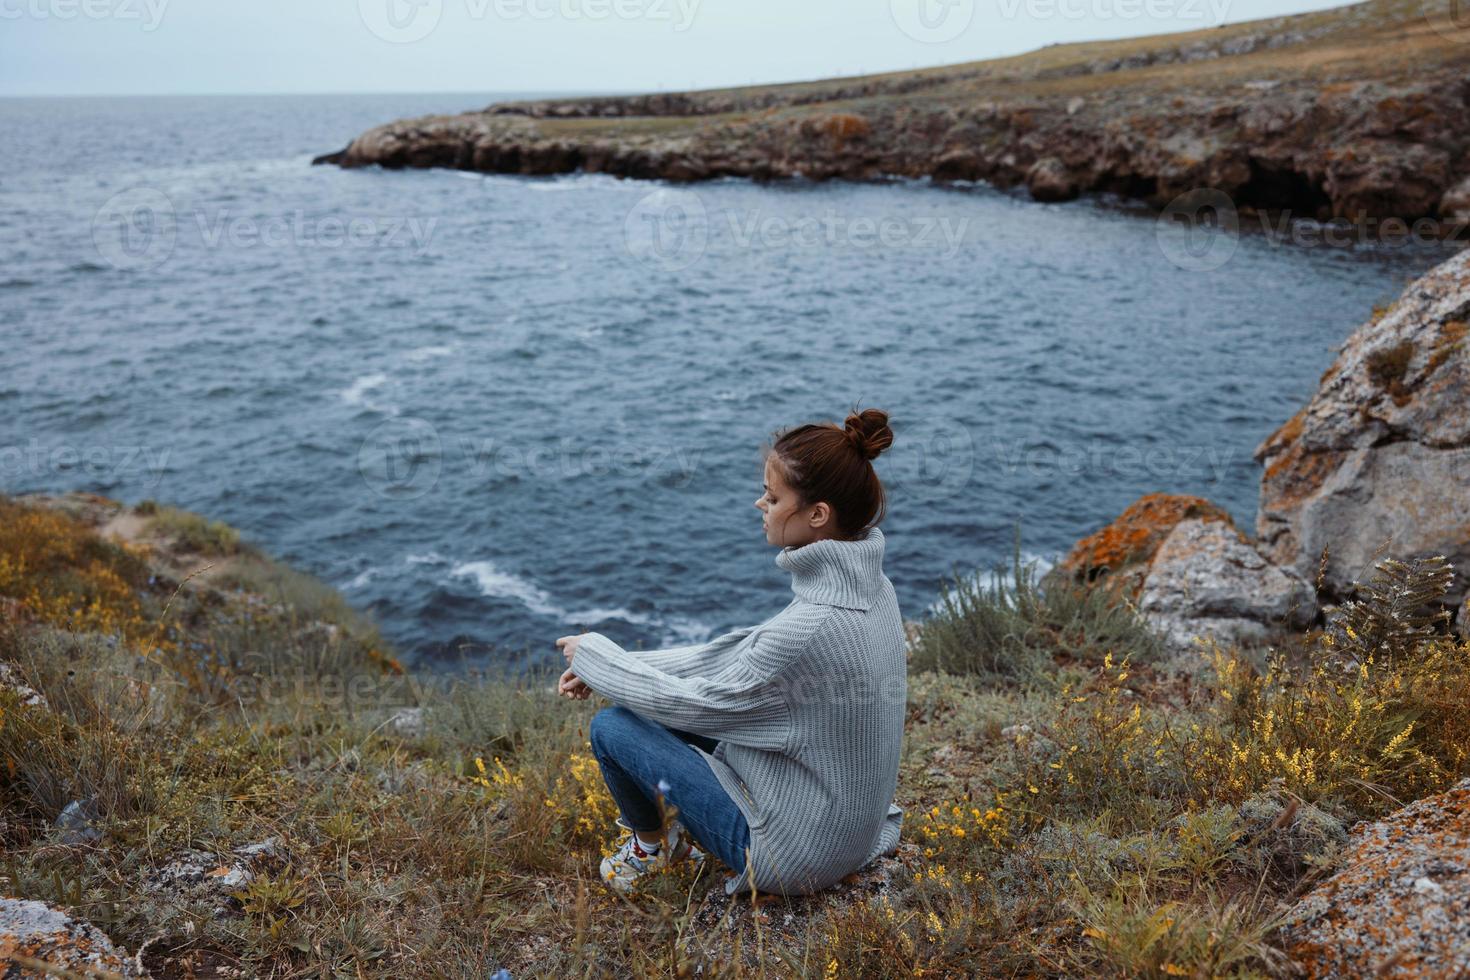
[(194, 533), (1020, 625)]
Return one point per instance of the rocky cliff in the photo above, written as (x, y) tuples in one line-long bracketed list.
[(1378, 461), (1376, 464), (1361, 112)]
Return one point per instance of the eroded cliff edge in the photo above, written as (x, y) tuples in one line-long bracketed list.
[(1360, 112)]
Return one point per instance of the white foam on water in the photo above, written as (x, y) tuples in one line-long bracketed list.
[(421, 354), (684, 631), (431, 558), (988, 578), (497, 584), (362, 578), (359, 393)]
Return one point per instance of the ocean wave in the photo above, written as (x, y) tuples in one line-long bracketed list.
[(362, 578), (988, 578), (498, 584), (427, 353), (359, 393)]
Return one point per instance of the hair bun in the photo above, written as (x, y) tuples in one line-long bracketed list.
[(868, 432)]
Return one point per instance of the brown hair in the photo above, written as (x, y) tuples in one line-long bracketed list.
[(824, 462)]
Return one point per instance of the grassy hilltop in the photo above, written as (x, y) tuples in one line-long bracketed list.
[(230, 774)]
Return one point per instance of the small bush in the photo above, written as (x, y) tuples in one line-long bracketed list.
[(1379, 714), (1017, 627), (62, 574), (194, 533)]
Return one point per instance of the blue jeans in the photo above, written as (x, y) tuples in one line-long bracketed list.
[(635, 753)]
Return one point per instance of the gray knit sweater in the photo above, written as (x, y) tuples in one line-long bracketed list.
[(808, 707)]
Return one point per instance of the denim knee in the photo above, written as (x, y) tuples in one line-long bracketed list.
[(606, 727)]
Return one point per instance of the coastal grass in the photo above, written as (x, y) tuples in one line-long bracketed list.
[(189, 531), (1092, 814), (1017, 625)]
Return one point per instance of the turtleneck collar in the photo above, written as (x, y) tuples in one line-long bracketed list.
[(835, 572)]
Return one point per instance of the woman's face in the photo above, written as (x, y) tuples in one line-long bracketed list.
[(787, 523)]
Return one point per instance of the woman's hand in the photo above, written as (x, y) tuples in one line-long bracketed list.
[(572, 686), (568, 646)]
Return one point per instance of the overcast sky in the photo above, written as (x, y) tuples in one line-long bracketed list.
[(75, 47)]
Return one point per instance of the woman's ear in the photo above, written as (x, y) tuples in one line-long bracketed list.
[(821, 514)]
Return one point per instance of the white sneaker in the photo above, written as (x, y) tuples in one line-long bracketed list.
[(622, 869)]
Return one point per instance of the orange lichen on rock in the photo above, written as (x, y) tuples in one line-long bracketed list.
[(39, 940), (1285, 435), (1298, 473), (844, 126), (1394, 909), (1134, 536)]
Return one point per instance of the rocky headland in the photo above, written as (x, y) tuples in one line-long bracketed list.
[(1359, 113)]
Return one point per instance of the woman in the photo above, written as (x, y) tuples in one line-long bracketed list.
[(778, 744)]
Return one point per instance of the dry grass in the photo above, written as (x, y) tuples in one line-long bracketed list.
[(1091, 817), (1379, 39)]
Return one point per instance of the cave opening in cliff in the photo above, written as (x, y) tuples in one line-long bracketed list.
[(1132, 186), (1284, 190)]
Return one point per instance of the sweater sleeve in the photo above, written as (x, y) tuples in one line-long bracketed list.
[(744, 702), (698, 658)]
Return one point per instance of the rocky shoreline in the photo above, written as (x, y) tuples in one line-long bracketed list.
[(1375, 464), (1360, 113)]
